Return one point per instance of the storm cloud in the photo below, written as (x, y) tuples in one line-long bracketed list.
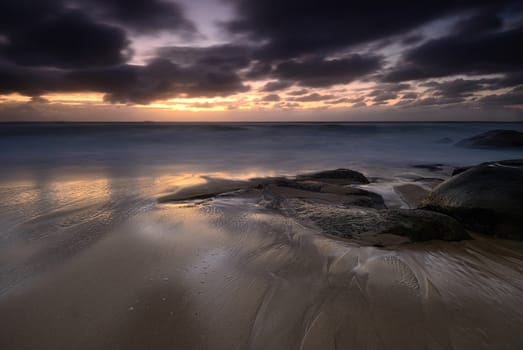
[(296, 27), (160, 79), (140, 51), (485, 53)]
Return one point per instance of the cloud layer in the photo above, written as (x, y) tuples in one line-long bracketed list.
[(291, 53)]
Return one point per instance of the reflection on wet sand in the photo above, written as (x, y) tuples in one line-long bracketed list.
[(229, 274)]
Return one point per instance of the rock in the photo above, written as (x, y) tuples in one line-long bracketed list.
[(363, 198), (429, 182), (212, 188), (488, 198), (508, 162), (431, 167), (459, 170), (380, 227), (494, 139), (337, 195), (337, 176), (312, 186)]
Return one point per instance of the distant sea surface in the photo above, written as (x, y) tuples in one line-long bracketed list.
[(137, 149)]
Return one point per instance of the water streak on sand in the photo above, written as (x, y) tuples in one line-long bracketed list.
[(228, 273)]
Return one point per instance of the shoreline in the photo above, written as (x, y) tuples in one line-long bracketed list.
[(237, 270)]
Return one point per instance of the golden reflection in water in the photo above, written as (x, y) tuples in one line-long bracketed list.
[(32, 197), (165, 184), (68, 192)]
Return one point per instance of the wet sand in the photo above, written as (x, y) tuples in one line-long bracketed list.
[(227, 273)]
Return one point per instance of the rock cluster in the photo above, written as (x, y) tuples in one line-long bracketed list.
[(487, 198)]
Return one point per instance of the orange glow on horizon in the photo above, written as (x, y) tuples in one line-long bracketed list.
[(252, 100)]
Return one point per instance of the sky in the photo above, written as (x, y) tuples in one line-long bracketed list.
[(270, 60)]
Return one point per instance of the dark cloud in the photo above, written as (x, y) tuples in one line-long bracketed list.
[(298, 92), (271, 98), (385, 92), (484, 21), (314, 97), (289, 105), (382, 96), (346, 100), (84, 45), (160, 79), (217, 56), (320, 72), (513, 97), (432, 101), (409, 96), (137, 15), (81, 34), (477, 92), (277, 85), (484, 53), (460, 87), (142, 15), (30, 81), (259, 70), (297, 27), (359, 105), (67, 40)]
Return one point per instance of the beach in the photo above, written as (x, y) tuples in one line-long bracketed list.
[(96, 256)]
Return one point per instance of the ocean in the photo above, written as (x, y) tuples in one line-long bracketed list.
[(234, 148)]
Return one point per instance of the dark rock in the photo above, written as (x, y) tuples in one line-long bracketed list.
[(381, 227), (339, 176), (337, 195), (431, 167), (488, 198), (509, 162), (459, 170), (363, 198), (494, 139), (422, 225), (300, 185), (212, 188), (429, 179)]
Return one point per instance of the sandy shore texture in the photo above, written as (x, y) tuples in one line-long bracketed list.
[(229, 273)]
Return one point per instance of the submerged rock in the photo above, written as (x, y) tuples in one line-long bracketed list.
[(313, 186), (338, 195), (430, 167), (380, 227), (495, 139), (363, 198), (488, 198), (338, 176)]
